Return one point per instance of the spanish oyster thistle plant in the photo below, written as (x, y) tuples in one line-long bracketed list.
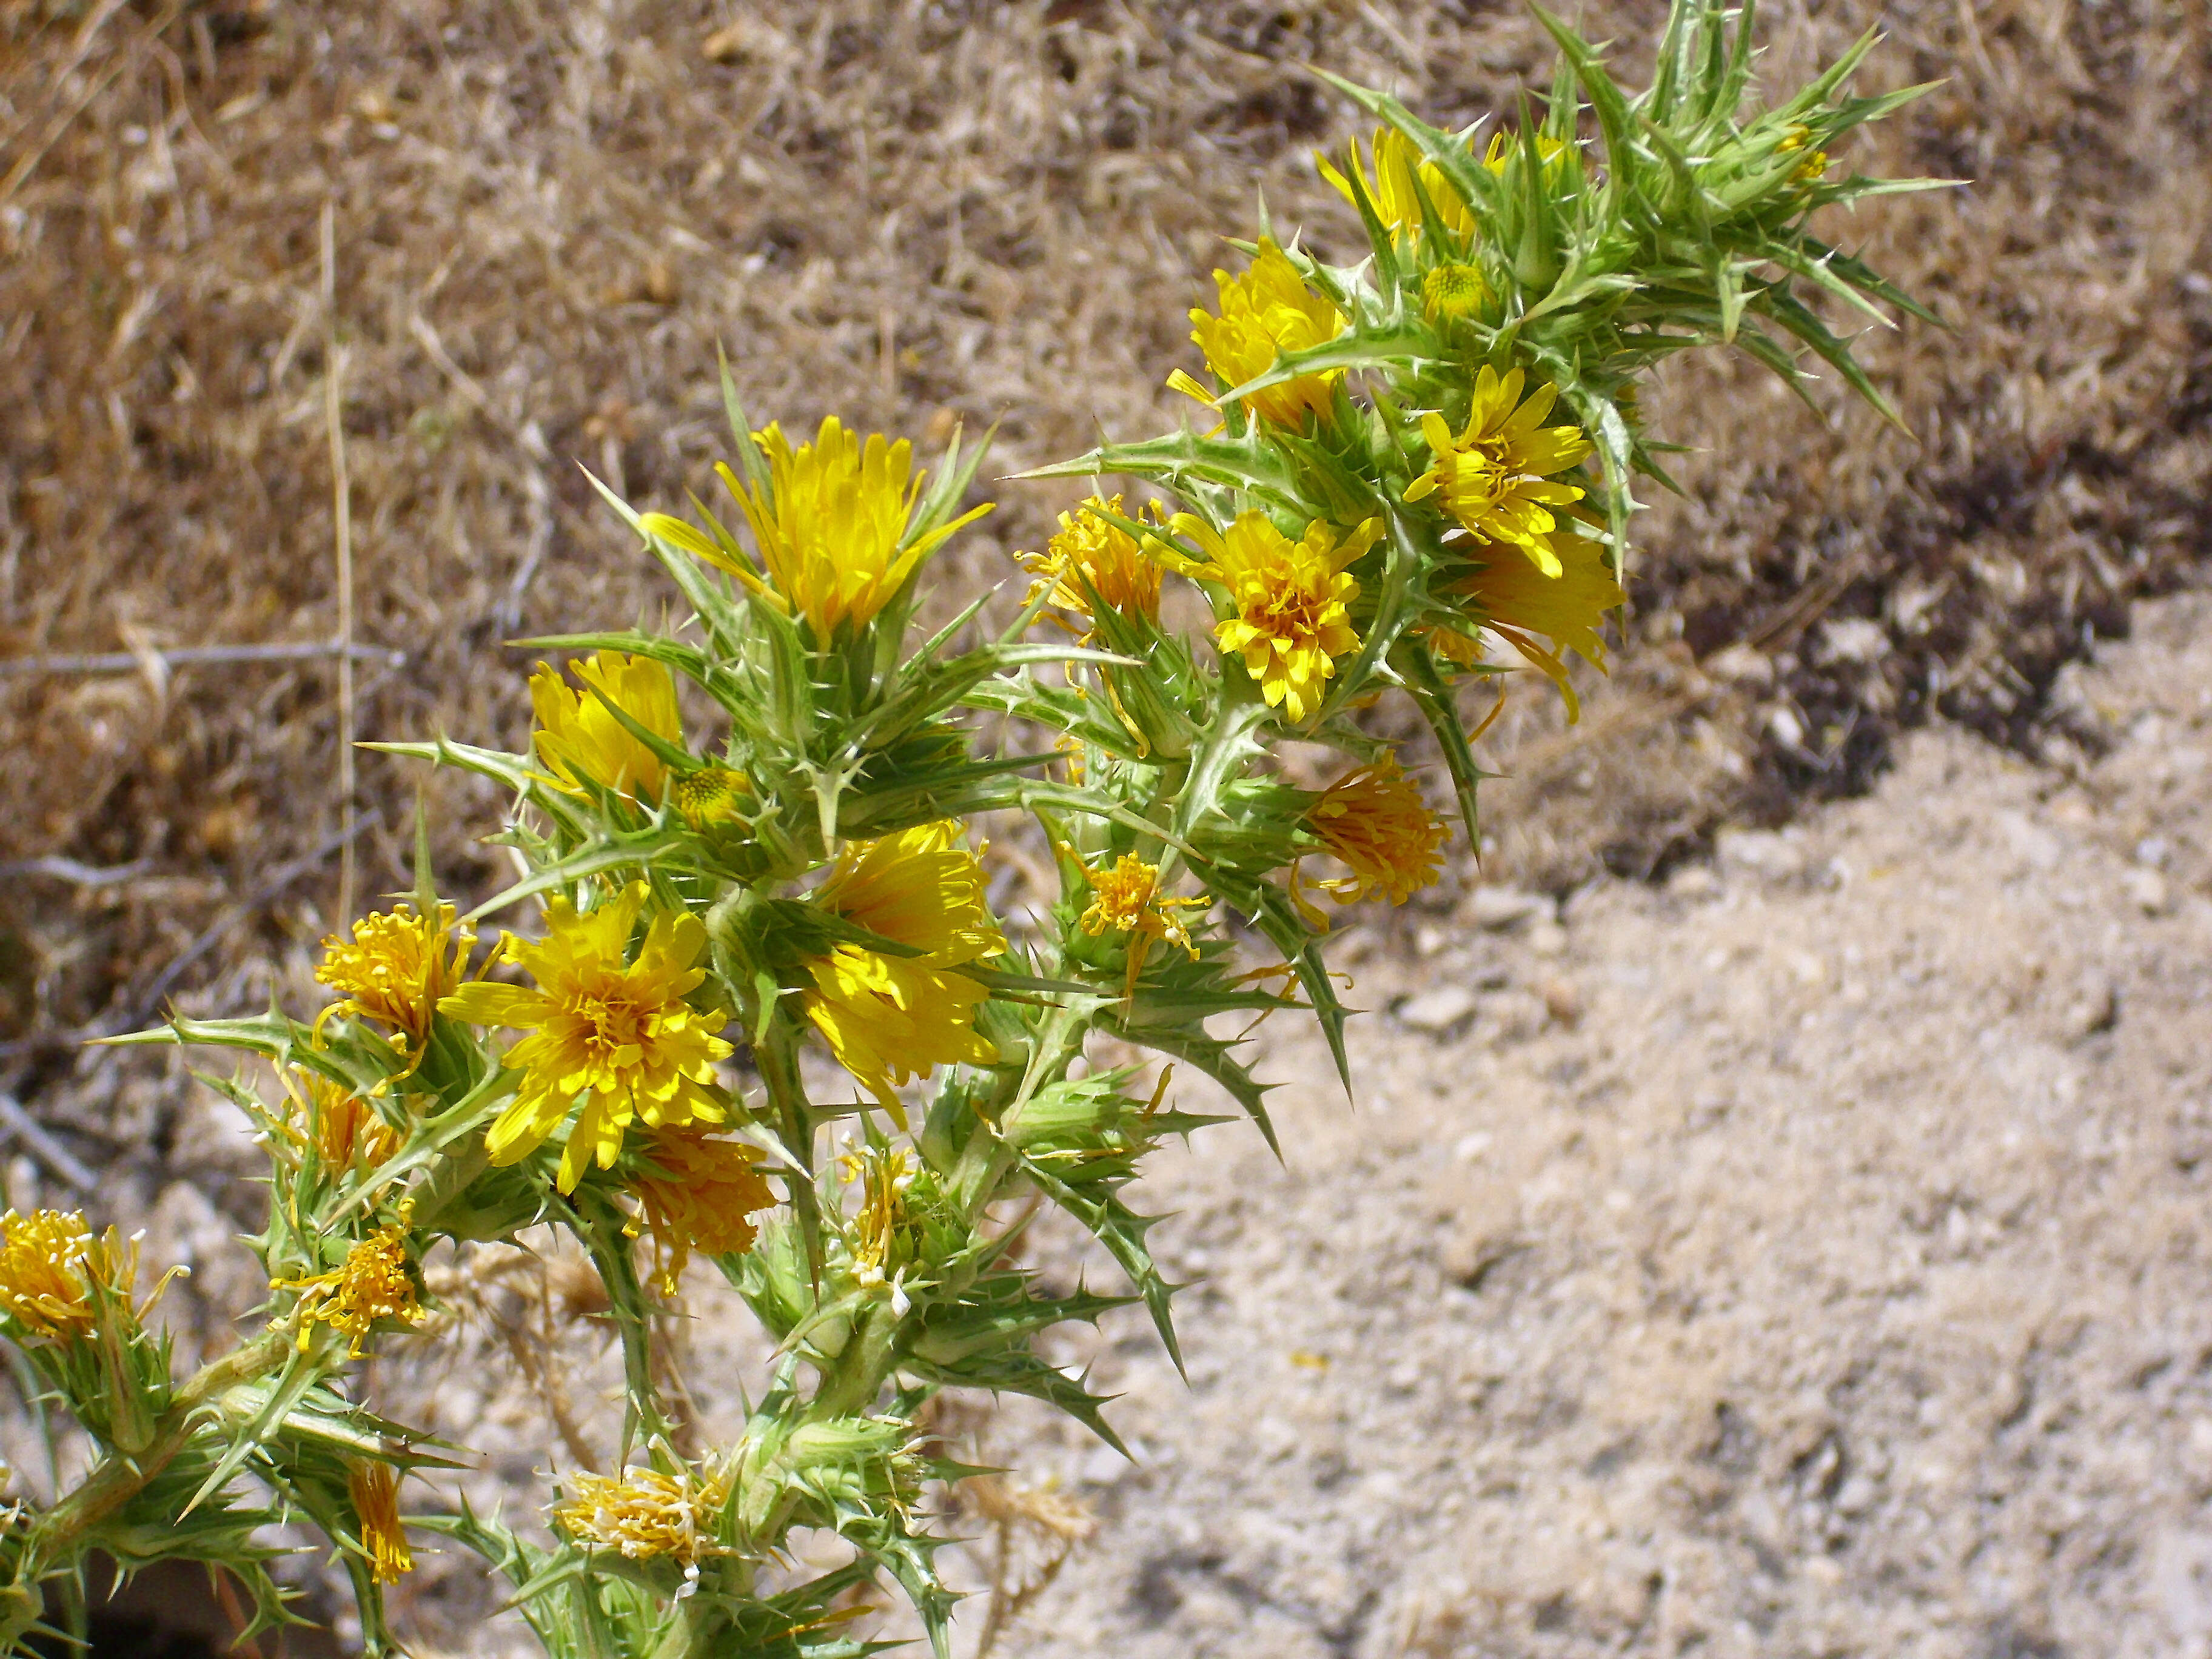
[(1412, 463)]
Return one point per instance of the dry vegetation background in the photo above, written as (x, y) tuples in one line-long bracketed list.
[(914, 214)]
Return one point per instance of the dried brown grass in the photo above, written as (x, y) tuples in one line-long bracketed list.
[(914, 214)]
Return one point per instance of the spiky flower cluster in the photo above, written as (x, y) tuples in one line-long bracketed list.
[(751, 860)]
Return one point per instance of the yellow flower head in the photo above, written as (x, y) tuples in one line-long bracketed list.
[(1089, 553), (643, 1513), (832, 524), (889, 1019), (712, 794), (1496, 476), (614, 1032), (1452, 291), (699, 1193), (374, 1488), (372, 1283), (583, 742), (1292, 601), (344, 1128), (48, 1262), (1265, 313), (1397, 163), (394, 971), (1376, 821)]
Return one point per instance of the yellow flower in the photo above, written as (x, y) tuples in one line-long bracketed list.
[(643, 1513), (1265, 313), (395, 970), (1397, 163), (1506, 594), (1091, 556), (832, 526), (1815, 162), (1505, 148), (47, 1262), (698, 1193), (1376, 821), (709, 795), (1453, 291), (343, 1128), (374, 1488), (583, 742), (1292, 600), (889, 1019), (614, 1033), (1125, 897), (1496, 475), (372, 1283)]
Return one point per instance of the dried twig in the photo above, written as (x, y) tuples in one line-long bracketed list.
[(341, 512), (57, 868), (34, 1138), (132, 662)]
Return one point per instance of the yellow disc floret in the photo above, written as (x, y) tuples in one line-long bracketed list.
[(1267, 312), (47, 1268), (1496, 476), (889, 1019), (614, 1032), (1291, 601)]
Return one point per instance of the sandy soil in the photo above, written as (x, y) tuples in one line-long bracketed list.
[(1805, 1257)]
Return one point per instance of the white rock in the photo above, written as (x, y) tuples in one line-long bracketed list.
[(1439, 1009), (1502, 908)]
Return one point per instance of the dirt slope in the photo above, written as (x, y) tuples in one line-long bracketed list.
[(1805, 1258)]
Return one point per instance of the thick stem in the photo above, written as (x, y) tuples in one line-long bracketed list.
[(119, 1478)]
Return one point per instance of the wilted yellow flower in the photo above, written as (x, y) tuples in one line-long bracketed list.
[(1496, 475), (890, 1018), (643, 1513), (699, 1193), (341, 1127), (394, 971), (1453, 291), (1397, 163), (1506, 594), (616, 1032), (831, 526), (884, 1174), (1376, 821), (1091, 556), (374, 1488), (372, 1283), (1126, 898), (583, 742), (1267, 312), (47, 1268), (1293, 601)]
